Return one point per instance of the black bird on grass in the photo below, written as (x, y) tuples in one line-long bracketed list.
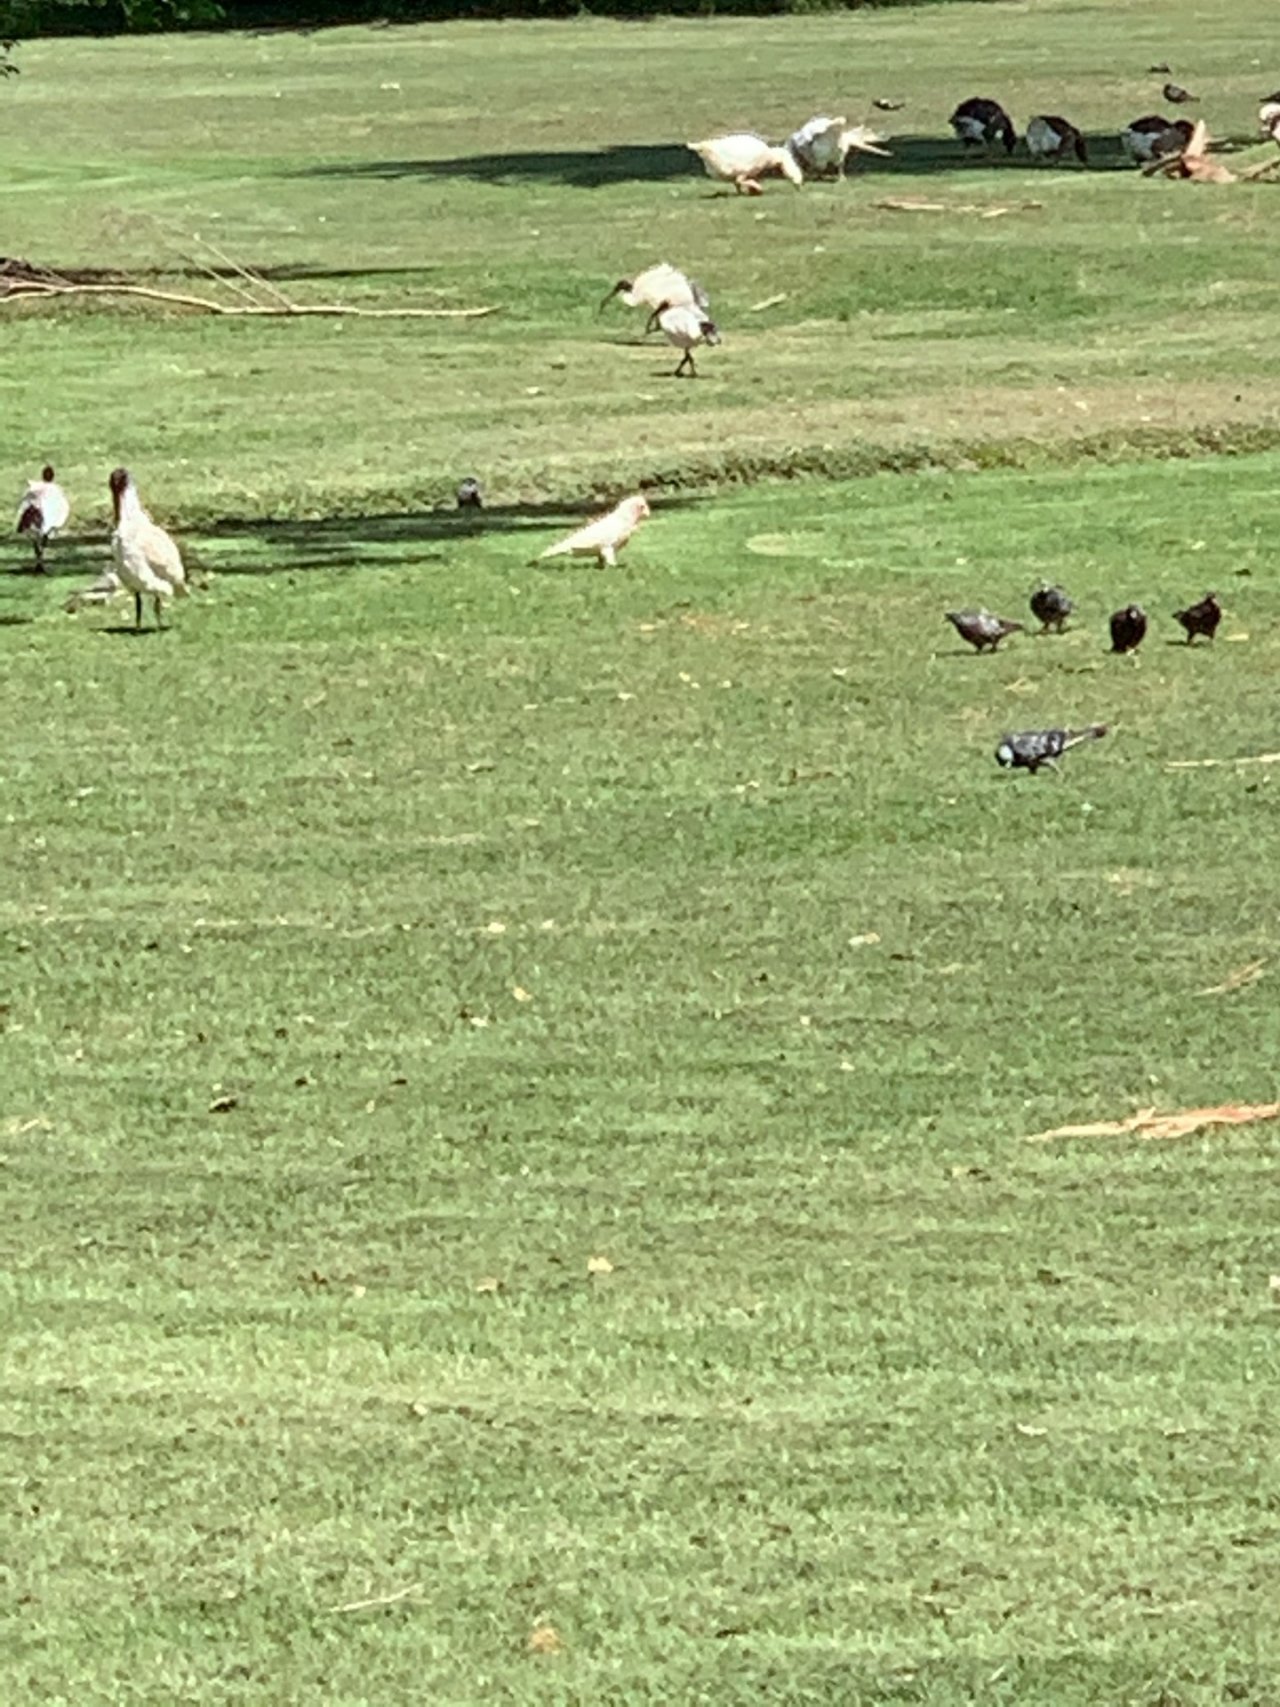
[(981, 629), (888, 106), (1051, 607), (1128, 628), (1202, 618), (979, 123), (469, 495), (1036, 747), (1177, 94), (1161, 70)]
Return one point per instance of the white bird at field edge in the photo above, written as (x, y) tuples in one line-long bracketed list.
[(742, 158), (147, 561), (656, 285), (43, 510), (604, 537), (684, 328)]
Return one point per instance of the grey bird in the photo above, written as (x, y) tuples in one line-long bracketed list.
[(1202, 618), (1051, 607), (1161, 70), (1128, 628), (981, 629), (469, 495), (1175, 93), (1035, 747), (888, 106)]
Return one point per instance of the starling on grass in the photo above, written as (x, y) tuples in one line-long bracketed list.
[(1051, 607), (1128, 628), (1178, 95), (1036, 747), (981, 629), (1202, 618), (469, 494), (888, 106)]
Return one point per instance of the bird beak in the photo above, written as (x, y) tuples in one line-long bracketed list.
[(608, 299)]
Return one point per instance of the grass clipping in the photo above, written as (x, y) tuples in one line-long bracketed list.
[(1181, 1124)]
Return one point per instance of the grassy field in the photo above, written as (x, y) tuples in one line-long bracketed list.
[(517, 1079)]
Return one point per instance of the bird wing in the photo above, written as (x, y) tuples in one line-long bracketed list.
[(589, 538), (56, 508), (864, 139), (163, 556)]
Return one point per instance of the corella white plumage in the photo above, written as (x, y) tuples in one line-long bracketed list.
[(605, 537), (822, 145), (657, 285), (742, 159), (147, 562), (43, 510), (684, 328)]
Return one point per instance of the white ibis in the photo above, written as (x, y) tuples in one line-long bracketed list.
[(1052, 138), (43, 510), (742, 159), (822, 145), (147, 560), (604, 537), (656, 285), (684, 328)]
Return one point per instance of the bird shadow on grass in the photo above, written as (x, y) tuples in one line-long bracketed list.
[(917, 156), (576, 168), (372, 541)]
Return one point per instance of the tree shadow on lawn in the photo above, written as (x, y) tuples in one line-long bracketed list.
[(576, 168), (363, 541)]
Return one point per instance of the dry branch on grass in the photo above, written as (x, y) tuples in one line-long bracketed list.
[(378, 1600), (1180, 1124), (1208, 764), (984, 210)]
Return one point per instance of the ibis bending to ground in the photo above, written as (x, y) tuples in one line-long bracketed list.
[(981, 629), (1153, 135), (657, 286), (684, 329), (742, 159), (822, 145), (605, 537), (1202, 618), (43, 510), (979, 123), (1052, 138), (1036, 747), (147, 562)]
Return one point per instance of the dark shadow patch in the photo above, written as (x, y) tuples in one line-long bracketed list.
[(580, 168)]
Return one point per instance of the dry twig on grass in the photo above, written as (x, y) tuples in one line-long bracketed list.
[(1148, 1124), (377, 1600), (984, 210), (30, 290)]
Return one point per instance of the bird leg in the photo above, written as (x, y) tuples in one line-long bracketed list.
[(37, 541), (159, 624), (137, 613), (686, 361)]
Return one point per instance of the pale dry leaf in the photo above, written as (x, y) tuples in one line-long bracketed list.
[(521, 995), (1274, 1284), (1237, 980), (545, 1639), (1180, 1124), (223, 1104), (488, 1283), (358, 1291), (599, 1265), (865, 939), (1030, 1430)]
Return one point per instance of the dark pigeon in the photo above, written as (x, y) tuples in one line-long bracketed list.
[(889, 106), (981, 629), (1036, 747), (469, 494), (1128, 628), (1173, 92), (1051, 607), (1202, 618)]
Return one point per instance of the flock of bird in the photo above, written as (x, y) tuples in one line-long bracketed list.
[(1051, 606)]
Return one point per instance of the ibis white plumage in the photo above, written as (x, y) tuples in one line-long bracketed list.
[(684, 328), (822, 145), (604, 537), (42, 511), (147, 561), (657, 285), (742, 159)]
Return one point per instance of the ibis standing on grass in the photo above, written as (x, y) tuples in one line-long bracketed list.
[(147, 561), (684, 329), (43, 510), (742, 159)]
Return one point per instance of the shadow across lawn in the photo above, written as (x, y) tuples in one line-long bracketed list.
[(576, 168)]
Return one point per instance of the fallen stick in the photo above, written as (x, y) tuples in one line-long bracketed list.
[(377, 1600), (1204, 764), (1148, 1124), (33, 288), (988, 210)]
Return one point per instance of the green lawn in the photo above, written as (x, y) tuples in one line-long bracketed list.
[(410, 925)]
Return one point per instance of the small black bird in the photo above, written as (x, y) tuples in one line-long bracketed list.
[(1051, 607), (889, 106), (469, 494), (981, 629), (1128, 628), (1161, 70), (1202, 618), (1036, 747), (1175, 93), (979, 123)]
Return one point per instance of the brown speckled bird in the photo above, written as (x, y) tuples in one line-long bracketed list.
[(981, 629)]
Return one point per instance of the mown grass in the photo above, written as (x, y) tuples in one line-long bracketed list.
[(411, 925)]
